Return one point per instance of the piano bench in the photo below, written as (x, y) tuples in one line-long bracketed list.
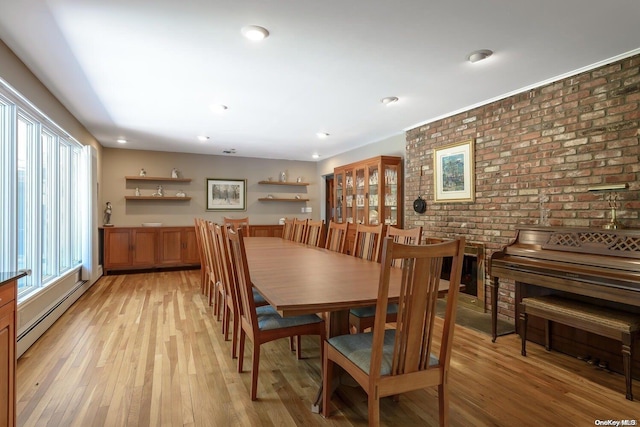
[(615, 324)]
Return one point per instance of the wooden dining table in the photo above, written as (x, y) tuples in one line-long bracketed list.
[(298, 279)]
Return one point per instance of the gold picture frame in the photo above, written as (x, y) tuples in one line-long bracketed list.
[(454, 172)]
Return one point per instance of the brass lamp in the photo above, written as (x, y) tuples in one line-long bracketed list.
[(611, 197)]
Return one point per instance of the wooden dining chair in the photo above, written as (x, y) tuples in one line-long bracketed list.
[(362, 318), (201, 253), (237, 223), (228, 286), (368, 242), (287, 230), (299, 230), (263, 324), (336, 236), (314, 233), (211, 274), (387, 362)]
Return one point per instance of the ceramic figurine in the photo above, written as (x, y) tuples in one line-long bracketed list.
[(174, 173), (143, 172)]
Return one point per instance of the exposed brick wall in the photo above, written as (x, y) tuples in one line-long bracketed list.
[(555, 141)]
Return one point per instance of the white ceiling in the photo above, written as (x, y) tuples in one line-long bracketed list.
[(149, 70)]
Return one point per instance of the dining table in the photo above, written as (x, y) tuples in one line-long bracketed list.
[(295, 279)]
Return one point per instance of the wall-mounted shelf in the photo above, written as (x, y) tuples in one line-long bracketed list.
[(276, 199), (156, 198), (156, 178), (299, 184)]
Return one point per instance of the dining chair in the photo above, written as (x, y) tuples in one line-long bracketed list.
[(211, 274), (228, 285), (299, 230), (201, 255), (263, 324), (336, 236), (368, 242), (287, 230), (236, 223), (215, 292), (387, 362), (362, 318), (314, 233)]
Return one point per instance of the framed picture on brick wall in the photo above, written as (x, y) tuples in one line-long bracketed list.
[(454, 172)]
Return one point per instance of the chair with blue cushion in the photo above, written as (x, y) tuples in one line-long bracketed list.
[(229, 300), (387, 362), (361, 318), (368, 242), (263, 324)]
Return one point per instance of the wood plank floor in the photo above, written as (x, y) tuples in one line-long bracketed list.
[(145, 350)]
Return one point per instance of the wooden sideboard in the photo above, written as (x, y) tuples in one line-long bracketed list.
[(8, 312), (146, 248), (137, 248)]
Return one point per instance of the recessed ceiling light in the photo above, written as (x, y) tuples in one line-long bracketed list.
[(322, 135), (122, 141), (218, 108), (389, 100), (255, 33), (479, 55), (315, 156), (203, 138)]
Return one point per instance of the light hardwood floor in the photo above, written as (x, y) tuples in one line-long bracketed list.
[(145, 350)]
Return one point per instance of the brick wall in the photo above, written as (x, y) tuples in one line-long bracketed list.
[(551, 142)]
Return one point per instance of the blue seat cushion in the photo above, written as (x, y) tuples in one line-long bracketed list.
[(357, 348), (370, 311), (258, 299), (269, 319)]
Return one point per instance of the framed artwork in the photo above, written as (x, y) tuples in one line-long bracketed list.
[(226, 194), (454, 172)]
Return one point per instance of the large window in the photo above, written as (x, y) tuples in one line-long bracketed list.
[(40, 166)]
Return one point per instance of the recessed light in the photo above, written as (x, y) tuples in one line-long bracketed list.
[(255, 33), (122, 141), (389, 100), (315, 156), (479, 55), (322, 135), (203, 138), (218, 108)]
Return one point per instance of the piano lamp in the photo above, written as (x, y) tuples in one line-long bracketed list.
[(611, 197)]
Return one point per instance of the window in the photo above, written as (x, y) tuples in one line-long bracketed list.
[(40, 224)]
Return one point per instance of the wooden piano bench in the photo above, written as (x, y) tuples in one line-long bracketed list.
[(615, 324)]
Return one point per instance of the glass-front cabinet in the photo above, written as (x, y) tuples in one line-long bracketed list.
[(369, 192)]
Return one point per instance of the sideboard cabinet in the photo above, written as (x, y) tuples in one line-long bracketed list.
[(132, 248), (369, 192)]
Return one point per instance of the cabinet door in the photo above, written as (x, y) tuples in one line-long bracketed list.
[(338, 201), (7, 363), (144, 247), (117, 248), (392, 203), (190, 247), (373, 194), (170, 247)]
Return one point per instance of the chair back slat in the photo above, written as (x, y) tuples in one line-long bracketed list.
[(313, 236), (368, 242), (337, 236), (420, 280)]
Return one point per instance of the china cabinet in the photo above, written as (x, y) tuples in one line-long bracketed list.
[(369, 192)]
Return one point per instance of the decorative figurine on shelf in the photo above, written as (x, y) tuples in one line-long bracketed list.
[(137, 191), (181, 194), (283, 177), (143, 172), (107, 215), (174, 173), (159, 192)]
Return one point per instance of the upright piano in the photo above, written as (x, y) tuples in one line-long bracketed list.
[(593, 265)]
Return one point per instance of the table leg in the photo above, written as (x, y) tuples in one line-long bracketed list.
[(337, 324)]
